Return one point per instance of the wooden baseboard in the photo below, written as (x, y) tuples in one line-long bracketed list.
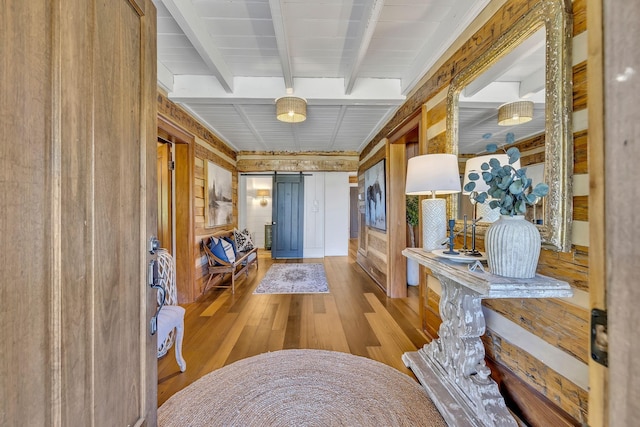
[(526, 403)]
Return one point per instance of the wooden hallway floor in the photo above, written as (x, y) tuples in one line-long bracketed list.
[(354, 317)]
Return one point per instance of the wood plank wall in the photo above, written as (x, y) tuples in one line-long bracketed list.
[(208, 147), (561, 325), (372, 248)]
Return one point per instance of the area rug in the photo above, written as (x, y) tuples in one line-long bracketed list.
[(296, 278), (302, 388)]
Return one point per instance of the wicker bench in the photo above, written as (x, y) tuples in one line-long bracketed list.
[(219, 268)]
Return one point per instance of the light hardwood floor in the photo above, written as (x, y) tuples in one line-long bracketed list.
[(354, 317)]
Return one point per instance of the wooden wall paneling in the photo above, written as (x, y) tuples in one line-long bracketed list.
[(177, 115), (372, 253), (567, 395), (396, 220), (438, 113), (581, 208), (580, 86), (563, 325), (580, 16), (437, 144), (581, 151), (296, 162)]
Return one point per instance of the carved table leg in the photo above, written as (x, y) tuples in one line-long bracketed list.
[(456, 361)]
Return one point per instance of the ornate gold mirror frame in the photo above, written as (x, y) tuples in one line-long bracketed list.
[(555, 16)]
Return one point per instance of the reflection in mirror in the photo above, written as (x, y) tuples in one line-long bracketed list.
[(529, 63), (518, 76)]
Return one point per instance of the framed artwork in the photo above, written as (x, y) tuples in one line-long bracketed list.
[(375, 196), (218, 196)]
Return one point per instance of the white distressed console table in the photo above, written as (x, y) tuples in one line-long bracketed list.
[(452, 368)]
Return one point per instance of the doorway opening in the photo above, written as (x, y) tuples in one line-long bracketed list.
[(175, 202)]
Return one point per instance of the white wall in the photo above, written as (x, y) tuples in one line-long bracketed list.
[(336, 235), (314, 213), (252, 215), (326, 212)]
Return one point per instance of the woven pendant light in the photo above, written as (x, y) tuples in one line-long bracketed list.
[(291, 109), (515, 113)]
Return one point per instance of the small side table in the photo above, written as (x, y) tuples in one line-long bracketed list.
[(452, 368)]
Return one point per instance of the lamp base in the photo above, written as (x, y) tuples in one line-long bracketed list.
[(434, 223)]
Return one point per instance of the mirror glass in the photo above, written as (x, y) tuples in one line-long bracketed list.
[(528, 63), (518, 76)]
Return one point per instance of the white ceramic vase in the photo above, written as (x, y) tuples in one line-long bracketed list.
[(413, 272), (513, 247)]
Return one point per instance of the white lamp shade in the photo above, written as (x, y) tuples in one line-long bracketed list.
[(433, 173), (474, 165)]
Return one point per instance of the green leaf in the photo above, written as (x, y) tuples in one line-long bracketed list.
[(492, 148), (494, 204), (521, 207), (473, 176), (484, 166), (505, 182), (514, 155), (516, 187), (481, 198), (507, 201), (532, 198), (541, 189), (470, 186), (487, 177), (494, 163), (522, 172)]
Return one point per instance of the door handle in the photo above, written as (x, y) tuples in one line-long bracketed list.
[(153, 280)]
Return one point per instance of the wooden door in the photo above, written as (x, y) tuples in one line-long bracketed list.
[(288, 216), (165, 220), (621, 251), (77, 206)]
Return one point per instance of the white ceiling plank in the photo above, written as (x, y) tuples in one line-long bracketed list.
[(165, 78), (363, 46), (187, 18), (459, 18), (282, 41), (337, 127), (353, 60), (248, 123), (533, 83)]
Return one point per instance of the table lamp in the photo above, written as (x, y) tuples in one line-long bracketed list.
[(433, 174)]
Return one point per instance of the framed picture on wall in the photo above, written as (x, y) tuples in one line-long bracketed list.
[(375, 196), (218, 196)]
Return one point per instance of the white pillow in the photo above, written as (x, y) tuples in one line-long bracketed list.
[(228, 249), (243, 240)]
